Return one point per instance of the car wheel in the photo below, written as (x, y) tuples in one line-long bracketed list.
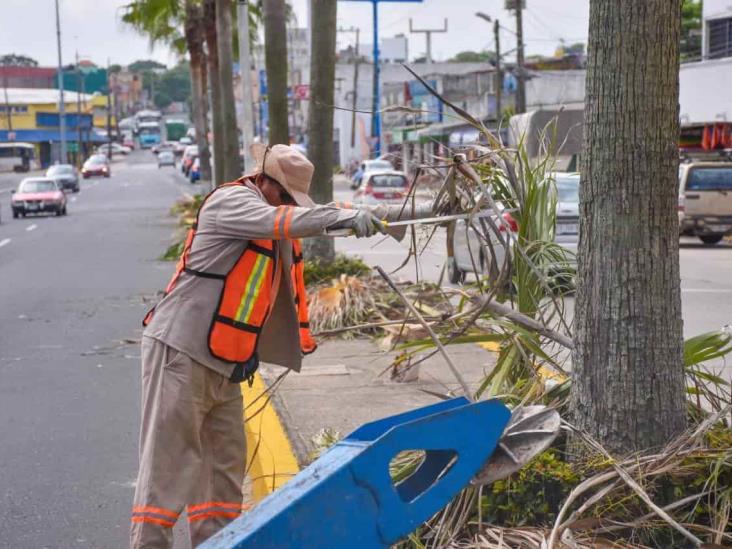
[(454, 274), (76, 189), (711, 239)]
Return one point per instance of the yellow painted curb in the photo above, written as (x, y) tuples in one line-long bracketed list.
[(490, 346), (271, 461)]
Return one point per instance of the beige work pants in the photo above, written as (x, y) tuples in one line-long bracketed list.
[(192, 448)]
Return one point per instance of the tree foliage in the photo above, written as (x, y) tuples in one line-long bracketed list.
[(17, 60), (146, 65), (473, 57), (691, 24)]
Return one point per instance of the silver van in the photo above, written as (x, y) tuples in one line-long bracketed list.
[(705, 200)]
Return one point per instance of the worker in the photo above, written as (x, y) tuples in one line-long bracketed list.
[(237, 297)]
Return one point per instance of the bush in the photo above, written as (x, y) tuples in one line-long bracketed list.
[(317, 271)]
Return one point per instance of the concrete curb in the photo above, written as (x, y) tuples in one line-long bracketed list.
[(271, 461)]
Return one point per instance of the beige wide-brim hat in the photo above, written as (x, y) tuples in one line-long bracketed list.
[(289, 167)]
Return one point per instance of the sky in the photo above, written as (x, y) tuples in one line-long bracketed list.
[(93, 27)]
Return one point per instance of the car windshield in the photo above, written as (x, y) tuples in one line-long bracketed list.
[(97, 159), (37, 186), (388, 181), (61, 169), (710, 179), (380, 165), (166, 155), (568, 189)]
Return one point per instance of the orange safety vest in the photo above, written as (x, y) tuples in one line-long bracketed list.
[(244, 303)]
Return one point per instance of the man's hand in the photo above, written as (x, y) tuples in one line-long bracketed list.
[(363, 224)]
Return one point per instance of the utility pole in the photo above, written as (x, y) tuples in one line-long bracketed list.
[(8, 110), (78, 110), (354, 98), (521, 88), (247, 128), (62, 106), (376, 114), (428, 35), (109, 115), (499, 73)]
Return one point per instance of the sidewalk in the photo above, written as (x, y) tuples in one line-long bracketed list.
[(344, 384)]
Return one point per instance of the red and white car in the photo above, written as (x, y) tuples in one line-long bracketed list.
[(97, 164), (381, 186), (38, 195)]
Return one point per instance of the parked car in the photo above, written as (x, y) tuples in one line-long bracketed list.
[(189, 155), (369, 166), (164, 146), (115, 148), (468, 255), (381, 186), (97, 164), (705, 200), (166, 158), (194, 174), (38, 195), (181, 144), (65, 176)]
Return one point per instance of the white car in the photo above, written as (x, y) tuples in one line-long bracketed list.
[(468, 256), (115, 147), (370, 166), (381, 187)]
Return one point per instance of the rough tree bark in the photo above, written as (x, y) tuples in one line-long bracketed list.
[(194, 41), (275, 54), (628, 386), (320, 116), (231, 162), (209, 16)]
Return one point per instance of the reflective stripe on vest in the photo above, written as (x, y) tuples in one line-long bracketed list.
[(245, 297), (244, 304), (307, 343)]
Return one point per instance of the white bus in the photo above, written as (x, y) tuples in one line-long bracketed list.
[(17, 157)]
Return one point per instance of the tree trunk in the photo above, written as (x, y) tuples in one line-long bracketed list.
[(275, 52), (199, 99), (628, 386), (231, 161), (209, 15), (320, 117)]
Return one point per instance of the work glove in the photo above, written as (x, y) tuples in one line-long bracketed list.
[(363, 224)]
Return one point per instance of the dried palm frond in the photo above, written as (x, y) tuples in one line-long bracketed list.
[(345, 302)]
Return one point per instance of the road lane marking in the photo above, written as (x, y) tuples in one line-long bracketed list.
[(707, 290), (73, 199), (4, 241), (31, 227)]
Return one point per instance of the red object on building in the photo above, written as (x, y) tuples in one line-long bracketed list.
[(28, 77), (301, 92)]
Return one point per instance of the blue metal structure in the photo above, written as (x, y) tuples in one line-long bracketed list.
[(376, 117), (347, 498)]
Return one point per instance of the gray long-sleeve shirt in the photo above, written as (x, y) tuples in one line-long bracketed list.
[(228, 220)]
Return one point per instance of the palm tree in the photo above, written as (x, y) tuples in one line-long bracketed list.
[(161, 21), (320, 121), (230, 161), (193, 28), (275, 50), (209, 16)]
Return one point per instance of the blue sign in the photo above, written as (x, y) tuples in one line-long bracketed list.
[(262, 82)]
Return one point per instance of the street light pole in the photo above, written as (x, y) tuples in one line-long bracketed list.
[(498, 80), (62, 107)]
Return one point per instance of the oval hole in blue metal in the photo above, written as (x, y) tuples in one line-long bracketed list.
[(414, 471)]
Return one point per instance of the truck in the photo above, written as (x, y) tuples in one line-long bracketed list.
[(148, 134), (175, 129)]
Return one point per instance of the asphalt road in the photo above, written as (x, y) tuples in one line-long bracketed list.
[(74, 290)]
